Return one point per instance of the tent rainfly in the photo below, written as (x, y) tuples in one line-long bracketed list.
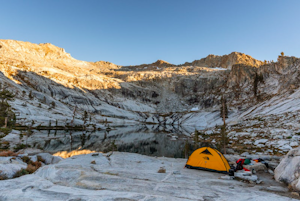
[(209, 159)]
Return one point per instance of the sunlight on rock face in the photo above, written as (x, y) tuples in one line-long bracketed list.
[(65, 154)]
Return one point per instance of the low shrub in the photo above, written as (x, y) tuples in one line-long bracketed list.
[(20, 173), (5, 145), (19, 147), (8, 153), (3, 177), (25, 159), (31, 167), (40, 159), (5, 130)]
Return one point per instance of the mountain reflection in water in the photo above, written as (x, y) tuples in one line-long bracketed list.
[(152, 140)]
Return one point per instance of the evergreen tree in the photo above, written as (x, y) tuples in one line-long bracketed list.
[(225, 109), (30, 95), (6, 95), (224, 138), (196, 138), (7, 116), (186, 149), (85, 116)]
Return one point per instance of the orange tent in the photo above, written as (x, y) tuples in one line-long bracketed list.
[(207, 158)]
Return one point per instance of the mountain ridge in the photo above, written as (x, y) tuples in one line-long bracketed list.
[(47, 51), (48, 88)]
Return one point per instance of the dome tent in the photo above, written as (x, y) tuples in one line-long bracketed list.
[(209, 159)]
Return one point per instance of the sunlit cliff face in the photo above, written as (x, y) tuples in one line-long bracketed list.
[(50, 71), (49, 61), (52, 62)]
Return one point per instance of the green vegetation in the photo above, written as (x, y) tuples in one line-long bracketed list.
[(186, 149), (31, 167), (196, 138), (21, 173), (85, 116), (19, 147), (224, 108), (223, 139), (7, 116), (5, 130), (30, 95)]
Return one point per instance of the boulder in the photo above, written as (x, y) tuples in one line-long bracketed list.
[(261, 141), (9, 166), (288, 170), (49, 159), (246, 176)]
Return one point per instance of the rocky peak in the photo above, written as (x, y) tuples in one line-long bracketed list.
[(13, 48), (102, 65), (227, 61), (161, 63)]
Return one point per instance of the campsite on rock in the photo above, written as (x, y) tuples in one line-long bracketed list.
[(64, 142), (106, 119)]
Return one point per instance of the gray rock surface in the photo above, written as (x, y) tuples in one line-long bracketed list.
[(288, 171)]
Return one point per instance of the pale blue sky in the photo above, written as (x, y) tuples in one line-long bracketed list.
[(131, 32)]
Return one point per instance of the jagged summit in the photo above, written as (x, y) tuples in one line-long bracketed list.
[(47, 54), (227, 61), (211, 61), (105, 65), (161, 63), (19, 53)]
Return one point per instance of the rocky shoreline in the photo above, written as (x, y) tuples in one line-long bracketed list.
[(115, 176)]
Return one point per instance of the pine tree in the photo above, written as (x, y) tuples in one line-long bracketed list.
[(6, 95), (85, 116), (186, 149), (196, 138), (6, 114), (53, 104), (30, 95), (225, 109)]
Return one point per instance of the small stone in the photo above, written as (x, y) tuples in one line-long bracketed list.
[(176, 172), (161, 170), (293, 144), (93, 162), (245, 154), (259, 181), (295, 193), (226, 177), (271, 171)]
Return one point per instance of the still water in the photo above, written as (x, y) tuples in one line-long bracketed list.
[(151, 140)]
